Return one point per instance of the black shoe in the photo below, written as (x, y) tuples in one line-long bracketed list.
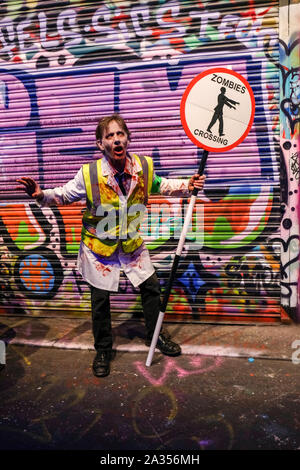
[(101, 364), (166, 346)]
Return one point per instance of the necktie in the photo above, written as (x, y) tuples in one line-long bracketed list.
[(120, 179)]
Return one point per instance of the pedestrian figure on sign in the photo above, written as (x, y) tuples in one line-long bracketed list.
[(218, 114)]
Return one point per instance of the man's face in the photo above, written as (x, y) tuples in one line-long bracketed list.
[(114, 143)]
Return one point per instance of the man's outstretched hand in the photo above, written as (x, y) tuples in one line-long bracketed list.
[(196, 181), (31, 187)]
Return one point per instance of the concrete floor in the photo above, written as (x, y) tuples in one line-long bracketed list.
[(216, 398)]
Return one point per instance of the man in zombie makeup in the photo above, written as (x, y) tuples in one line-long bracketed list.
[(116, 189)]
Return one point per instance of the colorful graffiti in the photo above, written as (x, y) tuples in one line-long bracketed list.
[(44, 266), (289, 142), (62, 68), (38, 36)]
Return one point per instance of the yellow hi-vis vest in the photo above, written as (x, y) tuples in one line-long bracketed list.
[(103, 210)]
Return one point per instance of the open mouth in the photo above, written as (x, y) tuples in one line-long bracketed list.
[(119, 151)]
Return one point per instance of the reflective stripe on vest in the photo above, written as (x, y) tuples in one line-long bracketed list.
[(91, 174), (145, 166)]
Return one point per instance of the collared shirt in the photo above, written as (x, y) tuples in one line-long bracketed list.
[(104, 272)]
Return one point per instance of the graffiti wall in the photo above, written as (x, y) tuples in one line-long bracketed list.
[(289, 70), (64, 65)]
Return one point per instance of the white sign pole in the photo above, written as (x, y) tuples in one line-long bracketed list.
[(176, 260)]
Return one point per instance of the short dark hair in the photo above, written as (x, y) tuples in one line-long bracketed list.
[(105, 121)]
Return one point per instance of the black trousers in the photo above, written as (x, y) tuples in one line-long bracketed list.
[(150, 295)]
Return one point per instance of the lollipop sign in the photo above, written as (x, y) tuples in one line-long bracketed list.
[(217, 112), (217, 109)]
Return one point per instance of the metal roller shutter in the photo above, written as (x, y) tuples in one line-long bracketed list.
[(64, 65)]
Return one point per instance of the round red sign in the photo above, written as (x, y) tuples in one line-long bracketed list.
[(217, 109)]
